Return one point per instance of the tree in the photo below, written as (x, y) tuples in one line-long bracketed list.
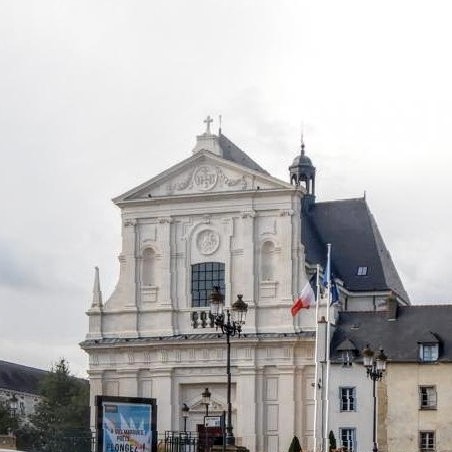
[(61, 420), (332, 439), (295, 445), (8, 422)]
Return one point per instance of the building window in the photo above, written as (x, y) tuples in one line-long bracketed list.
[(348, 438), (204, 277), (347, 399), (427, 397), (428, 352), (426, 441), (362, 271), (347, 358)]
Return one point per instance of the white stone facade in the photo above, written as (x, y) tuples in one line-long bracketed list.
[(141, 341), (357, 417)]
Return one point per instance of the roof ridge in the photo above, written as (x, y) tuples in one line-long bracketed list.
[(23, 366), (334, 201)]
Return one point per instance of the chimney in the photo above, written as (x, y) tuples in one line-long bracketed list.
[(391, 307)]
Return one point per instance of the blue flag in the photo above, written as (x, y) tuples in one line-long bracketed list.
[(326, 274), (328, 278), (334, 292)]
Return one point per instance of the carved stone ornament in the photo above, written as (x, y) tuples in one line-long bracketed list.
[(286, 213), (130, 222), (205, 177), (248, 214), (187, 182), (208, 241), (232, 182)]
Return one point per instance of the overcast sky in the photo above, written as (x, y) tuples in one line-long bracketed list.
[(97, 96)]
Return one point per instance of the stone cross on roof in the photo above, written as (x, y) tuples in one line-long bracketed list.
[(207, 121)]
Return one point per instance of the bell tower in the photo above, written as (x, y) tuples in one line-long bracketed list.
[(303, 171)]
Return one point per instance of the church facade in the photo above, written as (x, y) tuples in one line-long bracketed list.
[(219, 219)]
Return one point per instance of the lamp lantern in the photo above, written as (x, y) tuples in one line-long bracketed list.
[(381, 361), (216, 302), (206, 396), (238, 310), (368, 357), (185, 411)]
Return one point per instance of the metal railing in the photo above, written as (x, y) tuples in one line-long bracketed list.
[(175, 441)]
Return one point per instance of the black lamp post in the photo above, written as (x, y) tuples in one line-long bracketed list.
[(230, 323), (185, 411), (206, 399), (13, 405), (376, 367)]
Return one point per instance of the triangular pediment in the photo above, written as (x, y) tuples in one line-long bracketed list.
[(203, 173), (214, 406)]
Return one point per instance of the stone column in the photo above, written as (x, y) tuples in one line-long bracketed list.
[(287, 425), (246, 407), (285, 255), (128, 256), (244, 282), (95, 388), (163, 392), (128, 382), (165, 260)]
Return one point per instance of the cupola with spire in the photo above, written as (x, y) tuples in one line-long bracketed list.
[(302, 170)]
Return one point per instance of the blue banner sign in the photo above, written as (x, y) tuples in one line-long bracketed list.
[(126, 424)]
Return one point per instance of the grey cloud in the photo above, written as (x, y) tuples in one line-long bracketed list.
[(15, 270)]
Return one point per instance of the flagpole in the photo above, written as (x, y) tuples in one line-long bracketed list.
[(316, 357), (327, 352)]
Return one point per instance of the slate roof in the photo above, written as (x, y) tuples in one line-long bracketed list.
[(355, 241), (350, 228), (399, 338), (235, 154), (15, 377)]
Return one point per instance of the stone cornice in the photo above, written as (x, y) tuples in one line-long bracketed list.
[(198, 339)]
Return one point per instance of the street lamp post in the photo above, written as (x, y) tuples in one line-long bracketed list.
[(206, 399), (375, 367), (230, 323), (13, 405), (185, 411)]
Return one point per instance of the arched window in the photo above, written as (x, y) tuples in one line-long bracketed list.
[(148, 275), (267, 261), (204, 277)]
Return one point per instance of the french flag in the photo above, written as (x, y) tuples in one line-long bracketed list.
[(305, 300)]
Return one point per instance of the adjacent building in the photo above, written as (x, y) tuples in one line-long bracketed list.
[(415, 395), (19, 387)]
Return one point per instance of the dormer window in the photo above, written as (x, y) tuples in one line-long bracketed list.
[(347, 358), (428, 352), (347, 350), (362, 271)]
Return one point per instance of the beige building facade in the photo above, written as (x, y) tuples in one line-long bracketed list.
[(419, 407)]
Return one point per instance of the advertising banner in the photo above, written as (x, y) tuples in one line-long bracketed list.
[(126, 424)]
